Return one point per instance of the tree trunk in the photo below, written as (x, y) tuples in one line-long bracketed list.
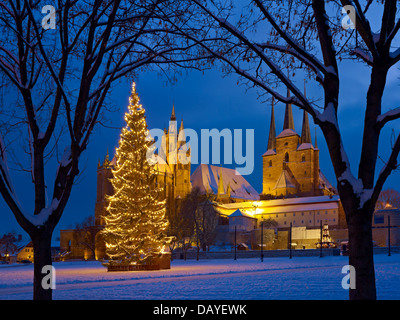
[(361, 255), (42, 258)]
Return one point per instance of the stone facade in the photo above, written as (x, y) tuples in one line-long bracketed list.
[(291, 162)]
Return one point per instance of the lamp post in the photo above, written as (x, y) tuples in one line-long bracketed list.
[(320, 241), (290, 241), (235, 245), (389, 236), (262, 238)]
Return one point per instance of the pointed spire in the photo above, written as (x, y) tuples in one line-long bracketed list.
[(181, 127), (106, 161), (173, 118), (288, 121), (305, 131), (181, 136), (220, 184), (228, 189), (272, 130)]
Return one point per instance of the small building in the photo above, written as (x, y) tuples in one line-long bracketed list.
[(242, 221), (380, 224), (25, 253), (300, 212)]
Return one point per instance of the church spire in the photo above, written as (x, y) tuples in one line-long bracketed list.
[(305, 131), (173, 118), (220, 190), (272, 131), (181, 135), (288, 121)]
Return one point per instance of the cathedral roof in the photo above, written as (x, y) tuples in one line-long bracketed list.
[(206, 177), (323, 182)]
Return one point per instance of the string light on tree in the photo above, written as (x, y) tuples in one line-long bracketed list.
[(135, 223)]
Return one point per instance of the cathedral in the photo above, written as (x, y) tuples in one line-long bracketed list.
[(291, 162), (294, 190)]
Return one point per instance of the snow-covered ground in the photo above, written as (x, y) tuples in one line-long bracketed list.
[(275, 278)]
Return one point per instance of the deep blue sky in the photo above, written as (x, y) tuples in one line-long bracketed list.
[(211, 101)]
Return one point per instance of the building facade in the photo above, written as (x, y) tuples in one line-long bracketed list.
[(291, 162)]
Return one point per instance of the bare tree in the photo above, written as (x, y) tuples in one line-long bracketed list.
[(85, 235), (7, 243), (197, 208), (60, 83), (267, 42), (389, 197)]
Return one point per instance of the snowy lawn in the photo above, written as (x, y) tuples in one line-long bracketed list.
[(275, 278)]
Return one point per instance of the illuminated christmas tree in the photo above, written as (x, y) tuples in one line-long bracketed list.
[(135, 223)]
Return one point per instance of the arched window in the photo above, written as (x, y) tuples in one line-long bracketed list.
[(303, 158), (286, 157), (270, 163)]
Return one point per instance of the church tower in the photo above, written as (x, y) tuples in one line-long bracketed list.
[(175, 172), (291, 162), (182, 167), (104, 187)]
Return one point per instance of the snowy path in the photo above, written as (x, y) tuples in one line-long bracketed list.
[(275, 278)]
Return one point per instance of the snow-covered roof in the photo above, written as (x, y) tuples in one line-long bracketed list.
[(305, 146), (284, 181), (324, 183), (287, 133), (206, 178), (269, 152), (281, 205), (282, 202), (240, 213)]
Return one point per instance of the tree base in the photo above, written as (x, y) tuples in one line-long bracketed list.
[(161, 263)]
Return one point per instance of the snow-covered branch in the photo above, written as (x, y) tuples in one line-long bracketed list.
[(363, 26), (286, 49), (388, 116), (387, 169), (290, 41), (364, 55)]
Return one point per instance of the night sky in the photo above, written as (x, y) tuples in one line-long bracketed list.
[(207, 101)]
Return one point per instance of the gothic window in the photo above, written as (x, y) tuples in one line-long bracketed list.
[(303, 158), (286, 157)]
